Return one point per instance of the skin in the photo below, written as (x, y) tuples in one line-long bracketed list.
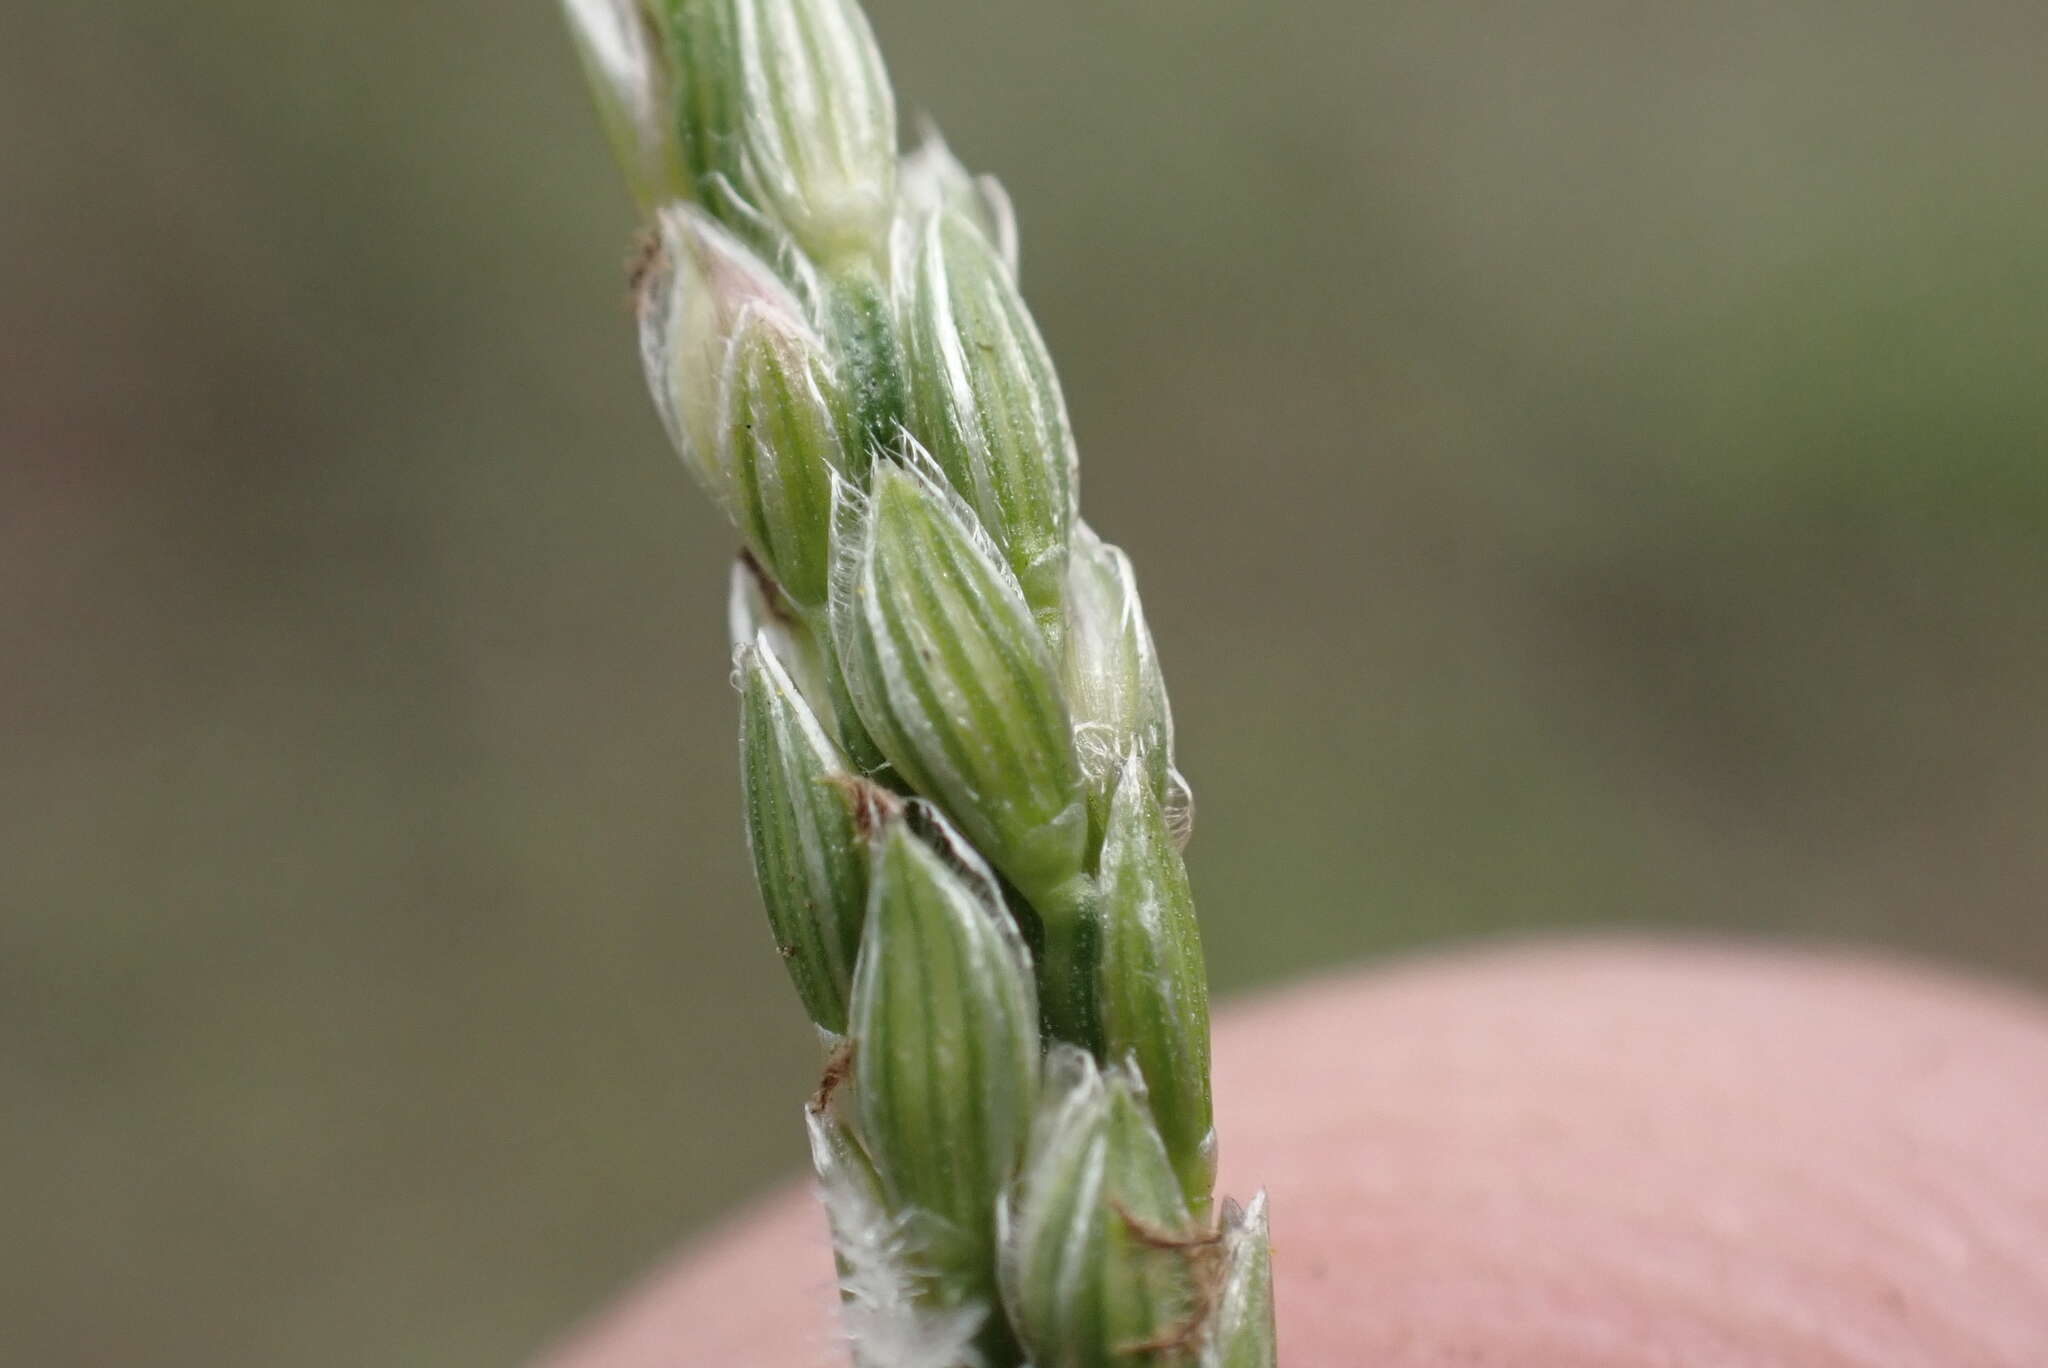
[(1578, 1154)]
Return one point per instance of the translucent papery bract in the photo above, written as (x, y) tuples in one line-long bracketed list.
[(1111, 673), (885, 1300), (988, 405), (953, 681), (1100, 1252), (756, 607), (945, 1040), (628, 71), (818, 125), (1240, 1330), (1153, 991), (929, 178), (697, 285)]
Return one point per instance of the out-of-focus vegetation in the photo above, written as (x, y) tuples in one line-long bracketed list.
[(1588, 464)]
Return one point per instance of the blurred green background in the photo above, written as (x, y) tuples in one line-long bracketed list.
[(1588, 464)]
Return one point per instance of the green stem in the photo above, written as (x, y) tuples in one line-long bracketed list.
[(1067, 989), (864, 326)]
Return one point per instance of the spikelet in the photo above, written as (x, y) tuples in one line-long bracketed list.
[(957, 751)]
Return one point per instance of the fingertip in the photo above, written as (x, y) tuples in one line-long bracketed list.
[(759, 1290), (1570, 1154), (1585, 1154)]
